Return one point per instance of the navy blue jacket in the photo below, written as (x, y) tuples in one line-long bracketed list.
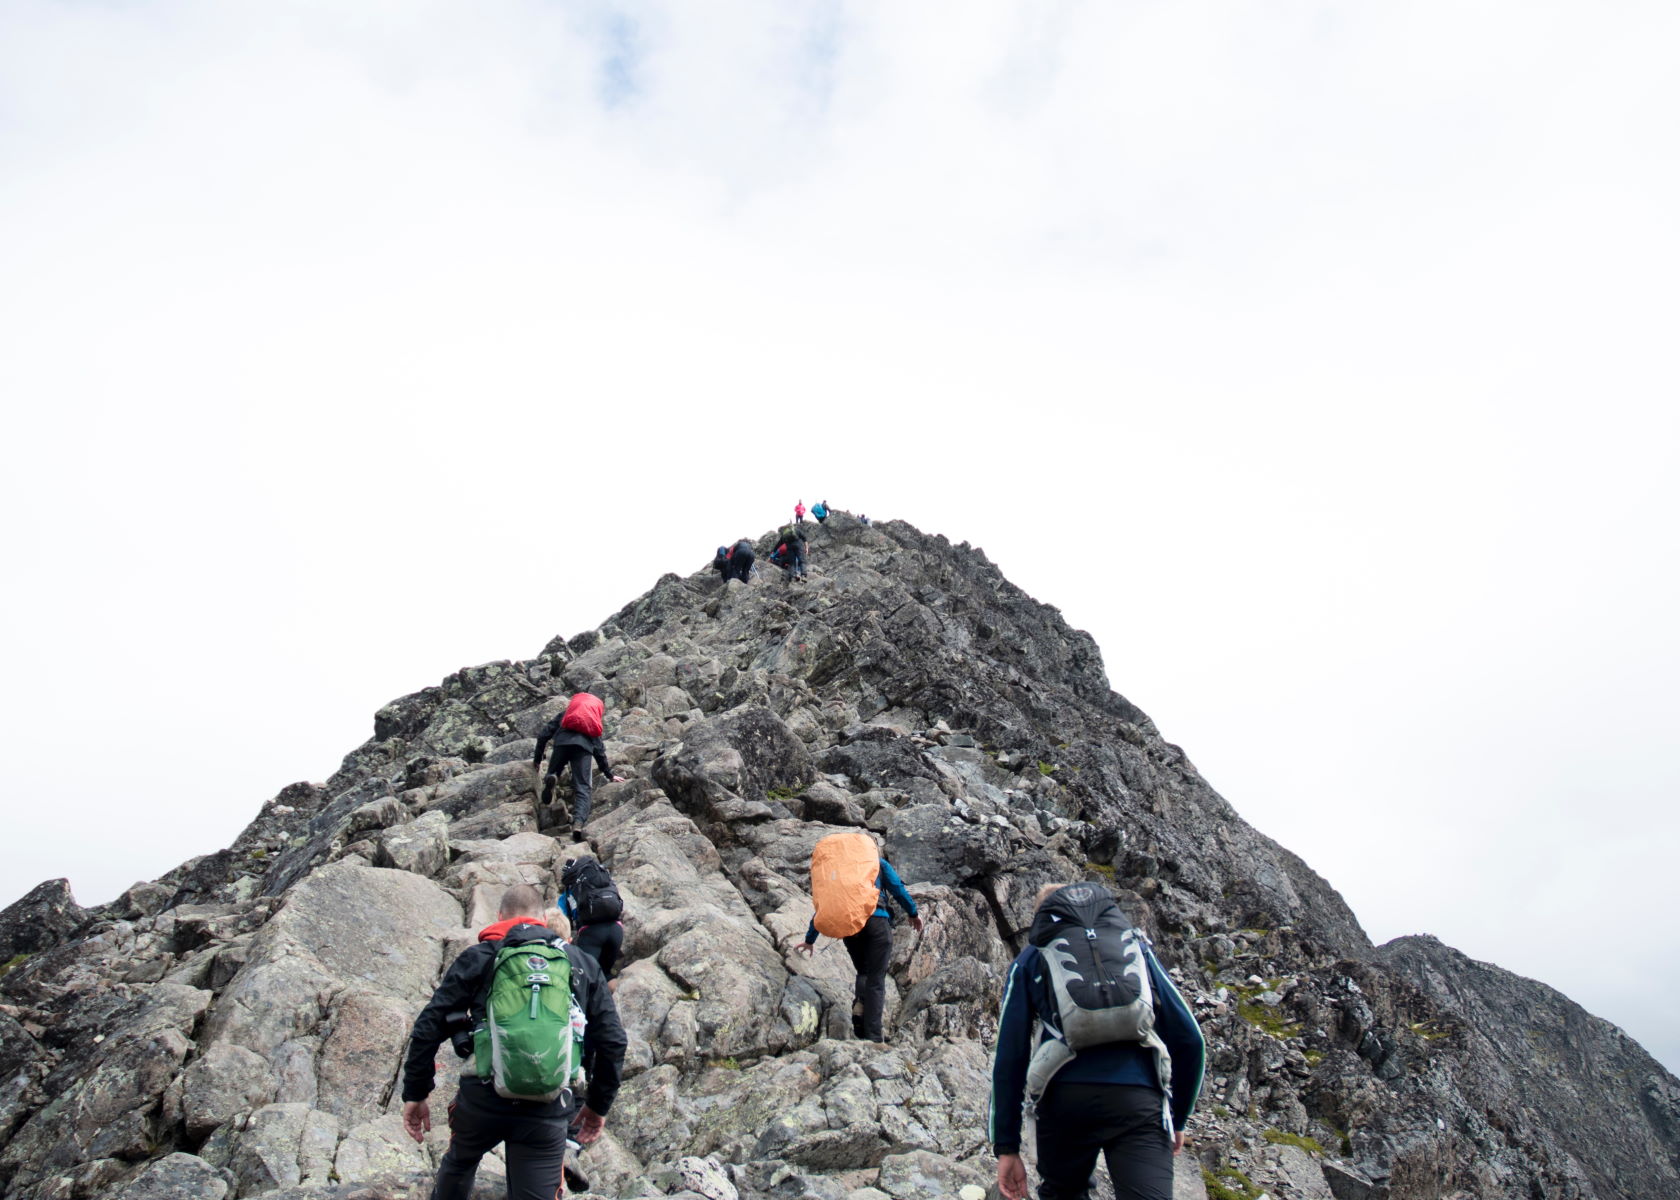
[(1027, 993), (886, 881)]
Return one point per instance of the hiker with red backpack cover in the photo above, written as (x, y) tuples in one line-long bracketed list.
[(576, 735), (850, 884)]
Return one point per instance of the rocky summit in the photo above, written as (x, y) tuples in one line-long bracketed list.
[(236, 1027)]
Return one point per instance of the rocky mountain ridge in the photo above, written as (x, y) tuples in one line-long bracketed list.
[(234, 1029)]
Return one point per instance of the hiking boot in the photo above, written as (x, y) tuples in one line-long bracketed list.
[(578, 836), (576, 1180)]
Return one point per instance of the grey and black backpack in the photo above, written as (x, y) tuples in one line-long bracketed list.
[(1099, 976)]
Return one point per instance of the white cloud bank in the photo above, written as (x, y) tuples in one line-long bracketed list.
[(1315, 358)]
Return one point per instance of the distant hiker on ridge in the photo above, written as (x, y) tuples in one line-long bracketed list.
[(720, 563), (516, 1090), (740, 561), (789, 554), (576, 734), (850, 883), (1117, 1063), (819, 510), (799, 513)]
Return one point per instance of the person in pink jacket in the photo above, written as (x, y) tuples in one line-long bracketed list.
[(799, 513)]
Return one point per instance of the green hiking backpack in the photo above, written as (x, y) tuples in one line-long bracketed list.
[(529, 1045)]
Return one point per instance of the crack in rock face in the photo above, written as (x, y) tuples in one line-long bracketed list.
[(236, 1027)]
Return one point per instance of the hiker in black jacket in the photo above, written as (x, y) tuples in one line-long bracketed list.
[(790, 554), (576, 734), (534, 1132), (740, 561)]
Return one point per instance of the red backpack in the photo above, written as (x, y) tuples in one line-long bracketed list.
[(583, 715)]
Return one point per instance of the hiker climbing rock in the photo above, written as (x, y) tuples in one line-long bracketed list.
[(850, 884), (720, 562), (532, 1012), (1118, 1062), (789, 554), (592, 904), (819, 510), (740, 561), (576, 734)]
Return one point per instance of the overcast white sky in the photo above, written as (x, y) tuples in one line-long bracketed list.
[(1319, 359)]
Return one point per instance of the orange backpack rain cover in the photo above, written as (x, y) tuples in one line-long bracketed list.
[(583, 715), (844, 867)]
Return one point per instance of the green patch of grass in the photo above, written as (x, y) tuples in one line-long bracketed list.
[(1228, 1183), (1313, 1057), (1045, 768), (1103, 869), (1430, 1031), (1220, 1111), (1278, 1137), (1263, 1016), (1345, 1136), (728, 1064), (16, 960)]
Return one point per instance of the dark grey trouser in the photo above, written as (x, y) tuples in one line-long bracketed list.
[(1122, 1122), (535, 1137), (583, 770), (871, 951)]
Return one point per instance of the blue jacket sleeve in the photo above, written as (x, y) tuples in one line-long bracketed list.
[(1177, 1027), (892, 883), (1009, 1060), (564, 904)]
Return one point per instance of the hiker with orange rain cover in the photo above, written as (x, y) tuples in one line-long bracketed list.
[(850, 883), (576, 734)]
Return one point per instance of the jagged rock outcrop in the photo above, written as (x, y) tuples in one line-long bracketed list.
[(235, 1028)]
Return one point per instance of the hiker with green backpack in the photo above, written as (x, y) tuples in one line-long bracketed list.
[(526, 1012)]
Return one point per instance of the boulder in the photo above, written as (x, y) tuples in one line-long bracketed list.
[(42, 919), (421, 845), (224, 1080), (929, 843), (176, 1176)]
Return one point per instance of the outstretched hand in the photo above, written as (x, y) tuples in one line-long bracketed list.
[(417, 1119), (804, 948), (618, 779), (1012, 1176), (916, 924), (590, 1125)]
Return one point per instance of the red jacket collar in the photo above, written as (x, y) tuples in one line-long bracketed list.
[(497, 931)]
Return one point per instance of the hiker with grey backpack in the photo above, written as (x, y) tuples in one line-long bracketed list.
[(525, 1012), (1115, 1066)]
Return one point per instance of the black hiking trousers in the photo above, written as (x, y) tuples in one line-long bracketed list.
[(1121, 1121), (583, 770), (534, 1135), (871, 951), (602, 942)]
